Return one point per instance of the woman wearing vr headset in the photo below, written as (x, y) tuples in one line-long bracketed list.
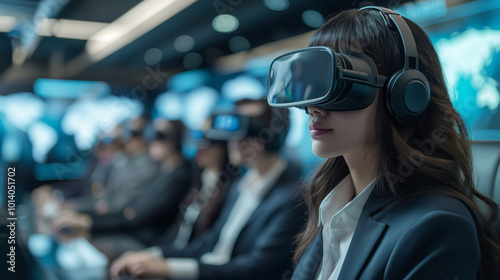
[(395, 198)]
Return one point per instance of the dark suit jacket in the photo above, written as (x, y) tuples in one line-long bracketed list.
[(264, 247), (126, 177), (428, 237), (155, 207)]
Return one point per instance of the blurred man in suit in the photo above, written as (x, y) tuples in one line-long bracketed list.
[(253, 236)]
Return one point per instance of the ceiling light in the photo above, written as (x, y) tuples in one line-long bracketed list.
[(239, 44), (153, 56), (68, 29), (136, 22), (313, 18), (7, 23), (44, 27), (76, 29), (183, 43), (225, 23), (277, 5)]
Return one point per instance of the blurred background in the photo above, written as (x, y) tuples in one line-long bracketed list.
[(72, 70)]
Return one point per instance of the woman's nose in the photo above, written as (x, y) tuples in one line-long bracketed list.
[(316, 111)]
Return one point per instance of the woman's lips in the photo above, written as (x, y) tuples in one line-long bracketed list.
[(319, 132), (318, 129)]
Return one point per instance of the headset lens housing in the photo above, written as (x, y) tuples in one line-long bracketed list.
[(301, 77)]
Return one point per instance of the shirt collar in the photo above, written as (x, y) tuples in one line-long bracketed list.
[(339, 199), (253, 184), (209, 176)]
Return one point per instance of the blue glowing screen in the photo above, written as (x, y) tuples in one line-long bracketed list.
[(226, 122)]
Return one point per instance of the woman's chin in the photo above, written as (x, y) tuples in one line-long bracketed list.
[(323, 154), (326, 150)]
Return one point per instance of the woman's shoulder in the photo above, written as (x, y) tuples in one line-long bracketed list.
[(423, 218), (436, 232), (432, 202), (417, 209)]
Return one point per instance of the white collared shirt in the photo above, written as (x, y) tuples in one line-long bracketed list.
[(210, 179), (252, 189), (339, 216)]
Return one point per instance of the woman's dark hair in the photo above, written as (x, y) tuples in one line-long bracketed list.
[(437, 146)]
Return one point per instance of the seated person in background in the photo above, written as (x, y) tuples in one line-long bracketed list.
[(108, 148), (49, 198), (150, 212), (202, 206), (113, 186), (130, 172), (254, 235)]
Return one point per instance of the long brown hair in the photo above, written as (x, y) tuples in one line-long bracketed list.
[(437, 147)]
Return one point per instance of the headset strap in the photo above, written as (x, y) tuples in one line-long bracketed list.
[(362, 78), (395, 21)]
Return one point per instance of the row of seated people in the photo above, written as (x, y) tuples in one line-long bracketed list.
[(234, 218)]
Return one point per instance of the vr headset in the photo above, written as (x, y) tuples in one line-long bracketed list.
[(127, 134), (149, 133), (228, 126), (318, 76), (199, 140)]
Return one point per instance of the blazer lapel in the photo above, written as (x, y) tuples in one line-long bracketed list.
[(367, 233), (310, 261), (263, 205)]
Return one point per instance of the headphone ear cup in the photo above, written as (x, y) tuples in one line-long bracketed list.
[(389, 92), (408, 96)]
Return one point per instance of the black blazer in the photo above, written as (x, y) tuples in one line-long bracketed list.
[(155, 207), (264, 247), (428, 237)]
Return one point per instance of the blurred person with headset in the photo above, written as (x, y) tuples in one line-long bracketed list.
[(143, 221), (130, 169), (253, 236), (49, 198), (203, 204), (150, 211)]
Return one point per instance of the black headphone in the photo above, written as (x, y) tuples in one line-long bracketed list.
[(408, 91)]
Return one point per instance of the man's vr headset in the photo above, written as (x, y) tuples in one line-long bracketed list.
[(228, 126), (127, 134), (175, 136), (232, 126), (151, 134), (198, 139), (318, 76)]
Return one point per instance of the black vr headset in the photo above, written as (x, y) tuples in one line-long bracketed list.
[(232, 126), (224, 126), (228, 126), (318, 76), (197, 139)]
